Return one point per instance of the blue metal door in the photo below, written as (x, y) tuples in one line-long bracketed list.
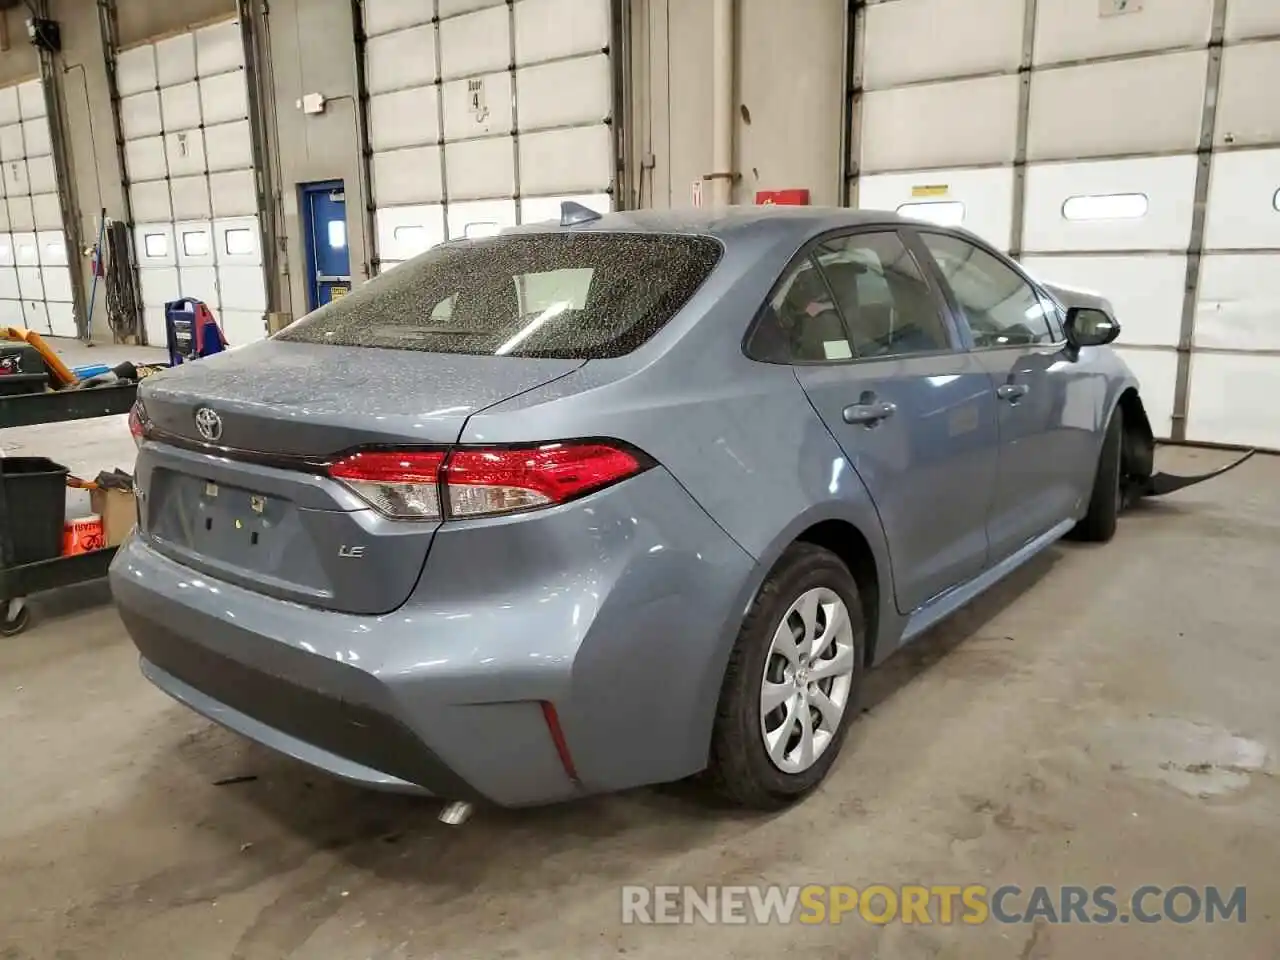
[(328, 260)]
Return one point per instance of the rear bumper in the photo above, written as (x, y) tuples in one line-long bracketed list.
[(618, 610)]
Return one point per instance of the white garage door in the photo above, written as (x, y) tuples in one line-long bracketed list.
[(1107, 113), (464, 143), (184, 113), (35, 280)]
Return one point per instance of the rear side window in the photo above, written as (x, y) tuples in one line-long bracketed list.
[(856, 297), (883, 296), (800, 323), (570, 296)]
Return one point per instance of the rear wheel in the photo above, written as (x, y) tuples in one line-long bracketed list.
[(790, 690), (1107, 499)]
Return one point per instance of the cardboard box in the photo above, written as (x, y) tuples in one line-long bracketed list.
[(119, 512)]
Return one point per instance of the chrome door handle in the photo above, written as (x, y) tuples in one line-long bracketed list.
[(869, 414), (1013, 392)]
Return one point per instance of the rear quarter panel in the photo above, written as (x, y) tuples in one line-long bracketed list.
[(739, 436)]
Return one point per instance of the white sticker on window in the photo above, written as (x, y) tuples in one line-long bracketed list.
[(1111, 206), (836, 350)]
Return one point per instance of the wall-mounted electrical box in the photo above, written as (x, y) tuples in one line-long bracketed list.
[(44, 34), (312, 103)]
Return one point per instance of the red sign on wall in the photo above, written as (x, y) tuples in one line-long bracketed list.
[(788, 198)]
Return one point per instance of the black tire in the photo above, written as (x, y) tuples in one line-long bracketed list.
[(1107, 499), (12, 626), (740, 769)]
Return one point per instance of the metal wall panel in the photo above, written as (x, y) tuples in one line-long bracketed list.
[(1248, 113), (1242, 209), (1233, 399), (1076, 30), (1252, 18), (936, 39), (1146, 291), (475, 106), (1148, 105), (189, 155), (963, 123), (1167, 183), (34, 271), (1239, 303), (383, 16), (978, 200), (1098, 175)]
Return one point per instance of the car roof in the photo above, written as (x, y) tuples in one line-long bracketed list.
[(725, 223)]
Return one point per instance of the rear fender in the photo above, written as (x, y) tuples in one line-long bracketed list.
[(888, 622)]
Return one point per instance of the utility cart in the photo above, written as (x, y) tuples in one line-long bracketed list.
[(20, 580)]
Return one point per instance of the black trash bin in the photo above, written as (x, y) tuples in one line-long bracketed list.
[(35, 491)]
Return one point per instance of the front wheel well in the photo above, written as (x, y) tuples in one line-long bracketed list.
[(847, 542), (1138, 445)]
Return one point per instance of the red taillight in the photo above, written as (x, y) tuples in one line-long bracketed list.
[(482, 481), (401, 484), (138, 423)]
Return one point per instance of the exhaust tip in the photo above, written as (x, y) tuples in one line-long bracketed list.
[(456, 813)]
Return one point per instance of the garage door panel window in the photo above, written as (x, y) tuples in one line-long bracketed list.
[(195, 243), (199, 168), (883, 296), (1111, 206), (999, 306), (944, 213), (467, 90), (155, 246)]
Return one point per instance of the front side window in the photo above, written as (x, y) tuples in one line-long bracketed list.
[(1000, 307), (883, 296), (556, 295)]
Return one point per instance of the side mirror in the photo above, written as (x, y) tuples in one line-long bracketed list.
[(1089, 327)]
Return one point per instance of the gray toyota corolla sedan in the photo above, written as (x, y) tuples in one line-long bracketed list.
[(615, 500)]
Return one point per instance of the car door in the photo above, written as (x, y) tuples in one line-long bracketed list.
[(1009, 324), (914, 414)]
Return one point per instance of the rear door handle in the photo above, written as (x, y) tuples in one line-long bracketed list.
[(869, 414), (1013, 392)]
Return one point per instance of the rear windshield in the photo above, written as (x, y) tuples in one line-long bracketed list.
[(584, 296)]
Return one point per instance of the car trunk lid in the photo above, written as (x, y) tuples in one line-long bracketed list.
[(247, 500)]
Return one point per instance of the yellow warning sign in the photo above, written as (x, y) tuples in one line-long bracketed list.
[(336, 292), (930, 190)]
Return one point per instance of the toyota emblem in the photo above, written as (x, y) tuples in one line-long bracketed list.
[(209, 424)]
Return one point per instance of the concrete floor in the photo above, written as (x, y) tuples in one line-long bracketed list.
[(1107, 716)]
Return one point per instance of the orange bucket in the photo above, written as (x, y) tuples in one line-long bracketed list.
[(83, 535)]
